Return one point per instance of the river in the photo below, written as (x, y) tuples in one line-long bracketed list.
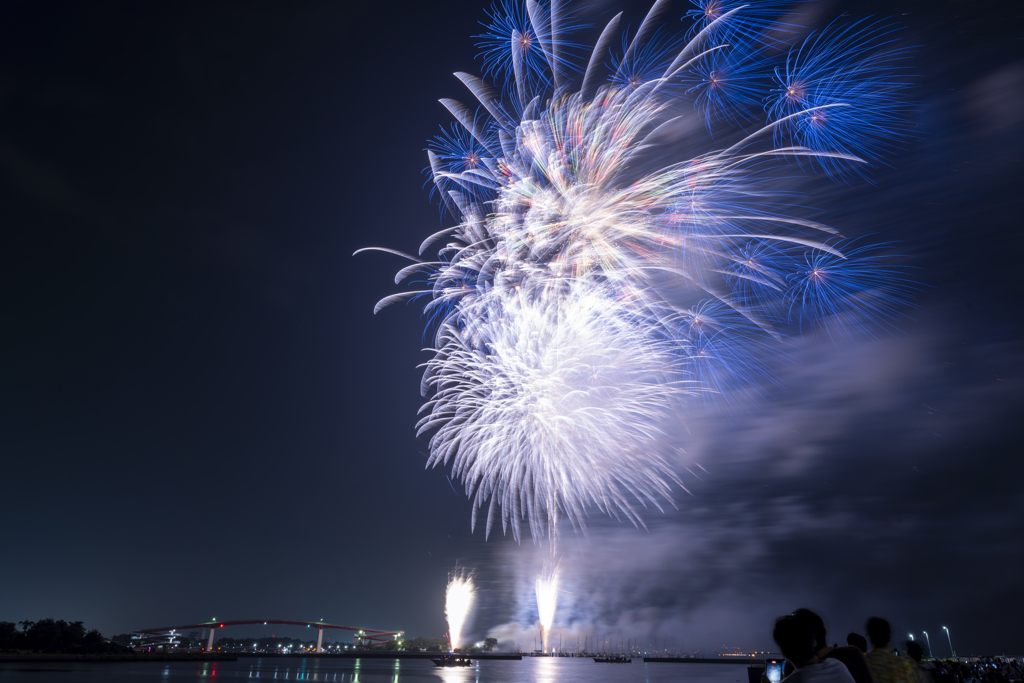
[(330, 670)]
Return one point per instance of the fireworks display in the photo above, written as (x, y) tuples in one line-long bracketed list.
[(458, 602), (596, 280)]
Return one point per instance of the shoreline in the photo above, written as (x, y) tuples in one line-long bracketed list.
[(380, 655), (142, 657)]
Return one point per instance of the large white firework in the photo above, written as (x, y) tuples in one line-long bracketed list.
[(589, 285)]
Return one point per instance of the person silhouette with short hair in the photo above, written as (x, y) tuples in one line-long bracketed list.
[(885, 666), (852, 658), (795, 637), (858, 641), (913, 650)]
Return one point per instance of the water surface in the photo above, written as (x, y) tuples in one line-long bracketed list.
[(328, 670)]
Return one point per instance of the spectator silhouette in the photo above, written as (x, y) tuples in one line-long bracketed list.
[(795, 637), (913, 651), (852, 658), (858, 641), (885, 666)]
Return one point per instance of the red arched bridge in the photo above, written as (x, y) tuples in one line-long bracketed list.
[(167, 634)]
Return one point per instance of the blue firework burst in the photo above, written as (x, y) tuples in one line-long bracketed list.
[(843, 92), (528, 50), (726, 352), (646, 62), (751, 26), (856, 290), (726, 86)]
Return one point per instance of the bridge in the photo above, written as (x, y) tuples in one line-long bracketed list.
[(166, 634)]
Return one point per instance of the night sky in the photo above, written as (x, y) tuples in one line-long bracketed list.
[(201, 417)]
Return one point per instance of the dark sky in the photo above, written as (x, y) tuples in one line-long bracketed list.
[(201, 417)]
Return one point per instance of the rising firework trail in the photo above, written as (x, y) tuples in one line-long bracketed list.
[(597, 279), (547, 603), (458, 602)]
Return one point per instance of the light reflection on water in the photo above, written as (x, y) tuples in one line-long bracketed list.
[(329, 670), (547, 669), (459, 674)]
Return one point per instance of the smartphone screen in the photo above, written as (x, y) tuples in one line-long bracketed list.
[(773, 670)]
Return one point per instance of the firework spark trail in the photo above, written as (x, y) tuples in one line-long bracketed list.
[(587, 290), (547, 602), (458, 602)]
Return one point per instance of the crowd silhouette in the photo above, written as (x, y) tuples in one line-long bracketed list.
[(803, 641)]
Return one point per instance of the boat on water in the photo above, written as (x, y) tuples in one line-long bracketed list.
[(452, 660), (621, 659)]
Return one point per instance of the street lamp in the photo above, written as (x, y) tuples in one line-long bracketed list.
[(950, 641), (911, 635), (929, 641)]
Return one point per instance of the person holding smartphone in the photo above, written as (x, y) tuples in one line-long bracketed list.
[(773, 671), (795, 637)]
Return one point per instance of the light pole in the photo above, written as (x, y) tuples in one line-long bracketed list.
[(911, 635), (929, 641), (950, 641)]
